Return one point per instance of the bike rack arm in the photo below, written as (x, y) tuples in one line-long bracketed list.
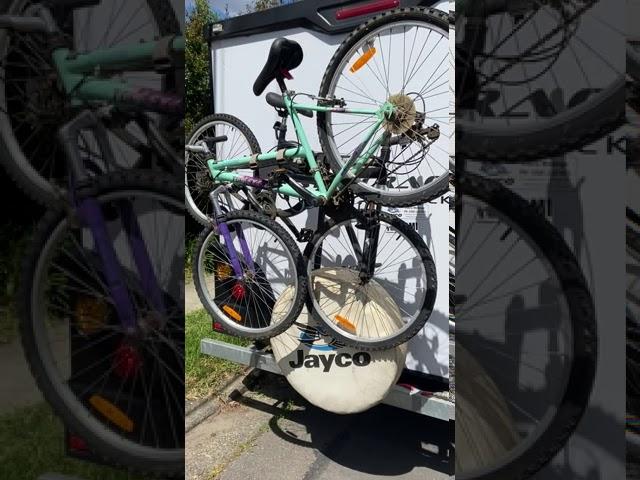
[(436, 405)]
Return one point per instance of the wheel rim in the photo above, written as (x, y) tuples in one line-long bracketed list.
[(411, 166), (530, 370), (198, 180), (66, 269), (275, 276)]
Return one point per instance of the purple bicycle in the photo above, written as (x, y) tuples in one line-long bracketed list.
[(102, 312)]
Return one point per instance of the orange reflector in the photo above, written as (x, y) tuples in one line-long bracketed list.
[(232, 313), (223, 271), (111, 412), (362, 61), (346, 324), (90, 315)]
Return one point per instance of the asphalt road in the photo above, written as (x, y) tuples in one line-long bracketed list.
[(271, 433)]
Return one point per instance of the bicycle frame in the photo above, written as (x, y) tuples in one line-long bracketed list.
[(90, 214), (223, 171), (80, 73)]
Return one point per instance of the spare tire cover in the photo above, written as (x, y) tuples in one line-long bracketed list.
[(486, 432), (329, 375)]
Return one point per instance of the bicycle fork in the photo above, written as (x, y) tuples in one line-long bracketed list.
[(220, 221), (90, 214), (371, 225)]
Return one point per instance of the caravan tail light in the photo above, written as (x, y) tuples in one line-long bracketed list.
[(366, 9)]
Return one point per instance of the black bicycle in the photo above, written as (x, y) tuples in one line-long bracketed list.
[(524, 312)]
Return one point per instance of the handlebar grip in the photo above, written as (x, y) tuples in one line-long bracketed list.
[(153, 100), (195, 148)]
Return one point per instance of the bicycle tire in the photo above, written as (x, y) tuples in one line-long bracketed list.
[(294, 252), (569, 130), (437, 187), (103, 442), (632, 324), (16, 164), (201, 126), (583, 326), (426, 308)]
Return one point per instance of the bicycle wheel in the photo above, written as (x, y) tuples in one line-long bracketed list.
[(524, 311), (122, 392), (408, 66), (272, 271), (633, 306), (361, 311), (511, 105), (32, 106), (633, 396), (198, 181)]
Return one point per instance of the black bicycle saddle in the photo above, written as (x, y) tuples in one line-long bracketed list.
[(285, 55)]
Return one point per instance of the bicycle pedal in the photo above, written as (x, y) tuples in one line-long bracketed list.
[(433, 132), (305, 235)]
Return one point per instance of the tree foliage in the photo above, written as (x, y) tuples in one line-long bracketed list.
[(259, 5), (197, 90)]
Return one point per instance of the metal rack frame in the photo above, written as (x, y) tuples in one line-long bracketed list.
[(435, 405)]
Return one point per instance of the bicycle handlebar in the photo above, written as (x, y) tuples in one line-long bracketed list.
[(36, 19), (23, 24), (199, 147), (153, 100)]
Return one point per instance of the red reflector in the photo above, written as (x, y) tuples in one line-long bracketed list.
[(127, 361), (238, 291), (286, 74), (77, 444), (218, 327), (367, 8)]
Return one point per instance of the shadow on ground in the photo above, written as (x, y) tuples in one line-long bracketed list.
[(383, 441)]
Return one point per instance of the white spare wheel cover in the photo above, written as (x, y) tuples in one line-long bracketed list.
[(333, 377), (485, 430)]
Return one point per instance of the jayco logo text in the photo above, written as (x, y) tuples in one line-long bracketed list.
[(360, 359)]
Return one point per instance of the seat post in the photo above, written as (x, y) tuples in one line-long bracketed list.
[(281, 84)]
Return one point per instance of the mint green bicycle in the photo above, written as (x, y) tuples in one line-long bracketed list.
[(382, 111), (383, 116), (61, 57)]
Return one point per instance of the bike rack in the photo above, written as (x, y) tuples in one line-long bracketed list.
[(319, 16), (431, 404)]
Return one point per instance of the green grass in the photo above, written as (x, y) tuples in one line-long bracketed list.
[(205, 374), (33, 444), (189, 243), (13, 241), (8, 324)]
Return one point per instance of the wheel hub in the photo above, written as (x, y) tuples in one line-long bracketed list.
[(127, 360), (404, 115)]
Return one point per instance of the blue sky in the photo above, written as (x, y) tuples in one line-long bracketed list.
[(235, 7)]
